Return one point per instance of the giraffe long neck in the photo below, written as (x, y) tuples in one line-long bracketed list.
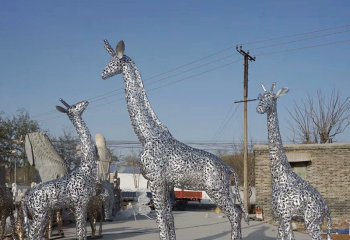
[(145, 122), (280, 166), (88, 161)]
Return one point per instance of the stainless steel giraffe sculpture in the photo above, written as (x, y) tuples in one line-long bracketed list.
[(73, 190), (291, 195), (167, 162)]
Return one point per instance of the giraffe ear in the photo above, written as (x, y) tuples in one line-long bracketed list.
[(120, 49), (282, 92), (61, 109)]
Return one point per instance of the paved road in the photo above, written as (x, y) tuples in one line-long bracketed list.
[(190, 225)]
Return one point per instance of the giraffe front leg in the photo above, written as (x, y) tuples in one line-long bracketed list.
[(313, 224), (92, 220), (162, 206), (60, 222), (13, 226), (285, 231), (38, 226), (100, 227), (169, 217), (2, 227), (49, 228), (80, 218)]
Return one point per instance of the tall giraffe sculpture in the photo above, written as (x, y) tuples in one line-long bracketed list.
[(73, 190), (291, 195), (167, 162)]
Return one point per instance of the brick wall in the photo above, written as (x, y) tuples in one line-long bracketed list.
[(327, 169)]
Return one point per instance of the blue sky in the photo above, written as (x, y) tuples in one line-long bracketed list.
[(54, 49)]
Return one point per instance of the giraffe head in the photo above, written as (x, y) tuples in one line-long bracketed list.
[(115, 66), (268, 99), (73, 110)]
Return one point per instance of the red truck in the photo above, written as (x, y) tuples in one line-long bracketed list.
[(186, 196)]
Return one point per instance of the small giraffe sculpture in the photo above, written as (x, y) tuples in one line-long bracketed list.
[(6, 210), (167, 162), (50, 165), (291, 195), (104, 162), (95, 212), (73, 190)]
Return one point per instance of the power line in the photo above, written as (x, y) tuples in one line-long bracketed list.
[(295, 35), (300, 40), (302, 48), (150, 90), (194, 75), (224, 49), (119, 91), (189, 63), (227, 119), (229, 48), (193, 68)]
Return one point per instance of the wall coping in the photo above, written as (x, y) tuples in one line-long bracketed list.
[(264, 147)]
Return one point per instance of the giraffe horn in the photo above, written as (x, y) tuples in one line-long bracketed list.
[(108, 47), (273, 86), (64, 103), (263, 87)]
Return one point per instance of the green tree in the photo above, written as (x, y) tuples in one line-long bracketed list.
[(12, 134), (67, 146)]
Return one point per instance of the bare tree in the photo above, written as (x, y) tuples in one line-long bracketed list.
[(301, 124), (321, 120)]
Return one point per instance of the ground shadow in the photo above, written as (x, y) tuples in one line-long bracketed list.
[(259, 233), (125, 234), (216, 236)]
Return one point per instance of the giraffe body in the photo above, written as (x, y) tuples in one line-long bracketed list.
[(72, 191), (167, 162), (292, 196)]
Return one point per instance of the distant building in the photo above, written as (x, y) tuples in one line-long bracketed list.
[(131, 179), (325, 166)]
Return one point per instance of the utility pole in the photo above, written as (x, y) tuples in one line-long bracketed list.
[(247, 58)]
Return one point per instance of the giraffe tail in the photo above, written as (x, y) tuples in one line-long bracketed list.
[(238, 197), (329, 222)]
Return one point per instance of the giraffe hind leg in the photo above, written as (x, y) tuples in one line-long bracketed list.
[(285, 231), (313, 222), (233, 212), (313, 227), (314, 231)]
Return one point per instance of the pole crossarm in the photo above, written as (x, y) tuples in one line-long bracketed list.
[(249, 100), (244, 53)]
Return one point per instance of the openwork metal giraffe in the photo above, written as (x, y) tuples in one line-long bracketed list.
[(167, 162), (73, 190), (291, 195)]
